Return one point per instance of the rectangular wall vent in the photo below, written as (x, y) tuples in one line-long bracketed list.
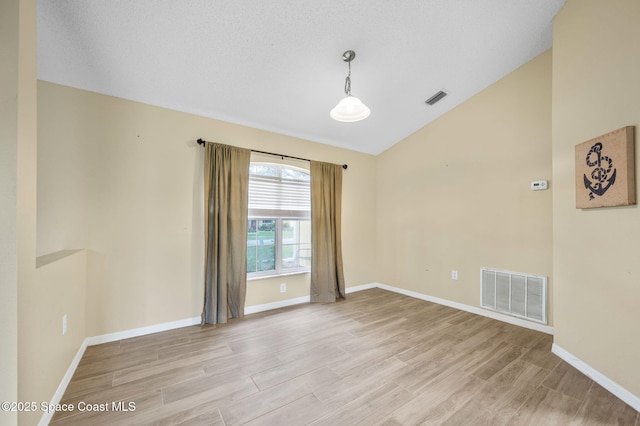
[(435, 98), (512, 293)]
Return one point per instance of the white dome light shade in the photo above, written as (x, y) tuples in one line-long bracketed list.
[(350, 109)]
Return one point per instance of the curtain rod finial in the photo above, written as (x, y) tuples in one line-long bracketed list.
[(344, 166), (201, 142)]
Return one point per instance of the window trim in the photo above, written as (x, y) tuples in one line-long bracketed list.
[(279, 270), (285, 212), (251, 277)]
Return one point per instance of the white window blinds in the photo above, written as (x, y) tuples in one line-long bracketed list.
[(279, 191)]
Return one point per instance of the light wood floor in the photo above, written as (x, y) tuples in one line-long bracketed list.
[(378, 358)]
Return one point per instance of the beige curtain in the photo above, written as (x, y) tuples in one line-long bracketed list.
[(327, 276), (226, 186)]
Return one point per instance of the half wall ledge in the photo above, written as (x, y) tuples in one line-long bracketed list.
[(46, 259)]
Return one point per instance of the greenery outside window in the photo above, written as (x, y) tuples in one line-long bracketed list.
[(279, 226)]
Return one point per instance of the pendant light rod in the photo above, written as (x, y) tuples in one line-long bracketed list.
[(350, 108), (348, 56)]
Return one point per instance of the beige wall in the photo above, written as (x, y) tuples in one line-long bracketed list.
[(61, 215), (33, 354), (596, 69), (122, 180), (456, 194), (8, 232), (60, 290), (25, 190), (143, 204)]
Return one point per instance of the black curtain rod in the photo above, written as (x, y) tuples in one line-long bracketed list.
[(203, 142)]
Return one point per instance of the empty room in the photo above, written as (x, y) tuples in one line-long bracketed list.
[(327, 213)]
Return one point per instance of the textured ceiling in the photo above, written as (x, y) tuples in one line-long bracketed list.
[(277, 65)]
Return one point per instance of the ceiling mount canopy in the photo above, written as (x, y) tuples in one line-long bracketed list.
[(350, 108)]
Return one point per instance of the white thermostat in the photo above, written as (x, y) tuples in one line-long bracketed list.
[(539, 185)]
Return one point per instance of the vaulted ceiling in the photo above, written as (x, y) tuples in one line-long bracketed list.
[(277, 65)]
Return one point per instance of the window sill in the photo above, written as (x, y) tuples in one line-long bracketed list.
[(284, 274)]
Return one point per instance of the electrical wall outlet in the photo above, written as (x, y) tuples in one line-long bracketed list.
[(64, 324), (454, 275), (283, 288)]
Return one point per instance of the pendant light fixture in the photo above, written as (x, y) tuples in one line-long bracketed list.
[(350, 108)]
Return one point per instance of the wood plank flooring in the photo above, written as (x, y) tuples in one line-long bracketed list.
[(378, 358)]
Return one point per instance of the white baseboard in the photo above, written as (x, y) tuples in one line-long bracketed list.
[(361, 287), (598, 377), (126, 334), (275, 305), (474, 310), (495, 315), (298, 300), (601, 379), (142, 331), (106, 338), (62, 387)]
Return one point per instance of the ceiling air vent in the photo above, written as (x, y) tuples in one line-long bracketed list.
[(435, 98)]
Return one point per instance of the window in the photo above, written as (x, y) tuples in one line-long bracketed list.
[(279, 229)]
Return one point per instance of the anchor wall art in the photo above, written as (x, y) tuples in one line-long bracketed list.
[(605, 171)]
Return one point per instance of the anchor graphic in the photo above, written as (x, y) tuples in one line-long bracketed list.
[(600, 174)]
